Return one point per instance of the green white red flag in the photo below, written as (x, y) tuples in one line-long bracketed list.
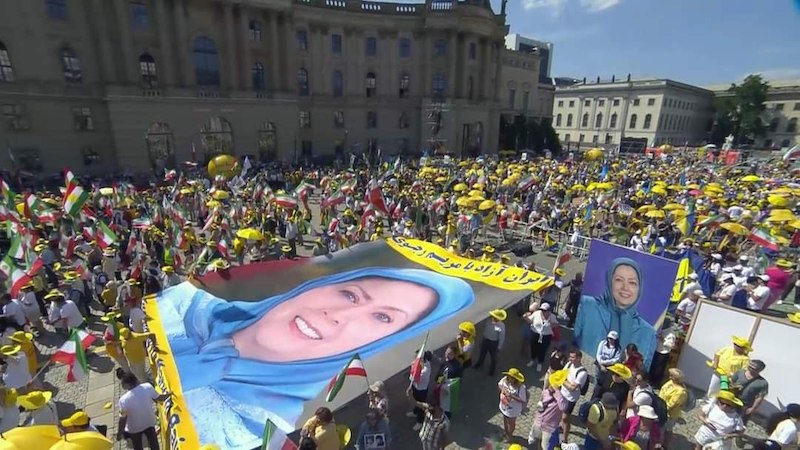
[(416, 366), (285, 201), (762, 237), (75, 196), (275, 439), (73, 353), (105, 237), (353, 368)]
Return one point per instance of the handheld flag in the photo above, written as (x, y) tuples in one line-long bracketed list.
[(416, 366), (73, 353), (353, 368), (275, 439)]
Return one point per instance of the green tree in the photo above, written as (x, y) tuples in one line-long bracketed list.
[(740, 113)]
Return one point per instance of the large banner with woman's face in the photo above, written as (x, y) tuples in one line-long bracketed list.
[(624, 291), (261, 342)]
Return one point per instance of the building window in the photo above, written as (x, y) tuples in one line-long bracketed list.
[(581, 138), (71, 66), (56, 9), (267, 142), (572, 103), (585, 120), (598, 120), (512, 98), (6, 70), (613, 122), (525, 97), (633, 121), (668, 122), (566, 138), (254, 31), (301, 37), (217, 136), (594, 139), (257, 74), (785, 143), (440, 47), (16, 118), (473, 51), (338, 83), (405, 47), (90, 156), (160, 145), (206, 62), (616, 102), (768, 143), (147, 67), (609, 138), (302, 82), (647, 119), (791, 127), (651, 102), (796, 105), (338, 119), (336, 44), (778, 106), (773, 124), (140, 20), (405, 83), (371, 83), (27, 159), (371, 45), (601, 103), (587, 103), (82, 119), (636, 102), (305, 119), (307, 149), (439, 85), (569, 119), (372, 119), (558, 120), (561, 103), (470, 87), (402, 121)]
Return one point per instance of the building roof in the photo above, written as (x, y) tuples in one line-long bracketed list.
[(624, 84), (775, 86)]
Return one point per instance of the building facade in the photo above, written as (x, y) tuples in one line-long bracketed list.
[(658, 110), (519, 43), (98, 85), (781, 115)]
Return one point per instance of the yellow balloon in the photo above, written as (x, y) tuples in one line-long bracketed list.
[(225, 165), (594, 154)]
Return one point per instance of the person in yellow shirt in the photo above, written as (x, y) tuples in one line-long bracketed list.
[(109, 294), (727, 361), (25, 341), (465, 342), (321, 429), (133, 347), (112, 339), (488, 254), (675, 395)]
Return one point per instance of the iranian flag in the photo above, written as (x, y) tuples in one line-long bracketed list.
[(762, 237), (714, 219), (88, 232), (210, 219), (375, 197), (337, 197), (75, 197), (562, 257), (16, 250), (111, 334), (525, 183), (68, 244), (143, 223), (73, 353), (16, 276), (285, 201), (353, 368), (105, 237), (438, 204), (416, 366), (222, 246), (275, 439)]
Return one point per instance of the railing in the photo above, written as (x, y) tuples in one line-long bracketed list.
[(366, 6), (208, 93), (336, 3), (538, 235), (406, 9), (151, 93), (441, 5)]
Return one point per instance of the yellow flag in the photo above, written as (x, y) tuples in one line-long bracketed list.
[(682, 279)]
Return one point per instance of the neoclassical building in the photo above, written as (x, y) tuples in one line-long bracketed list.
[(139, 85)]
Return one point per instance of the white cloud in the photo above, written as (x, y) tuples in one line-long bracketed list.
[(783, 73), (599, 5), (537, 4)]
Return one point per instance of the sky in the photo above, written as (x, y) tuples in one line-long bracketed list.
[(700, 42)]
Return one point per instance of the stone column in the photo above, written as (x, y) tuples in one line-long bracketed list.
[(166, 64), (126, 41), (427, 72), (289, 47), (497, 67), (455, 54), (186, 74), (231, 74), (107, 62), (276, 66), (481, 82), (244, 44)]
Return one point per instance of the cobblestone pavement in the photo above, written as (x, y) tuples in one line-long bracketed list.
[(477, 419)]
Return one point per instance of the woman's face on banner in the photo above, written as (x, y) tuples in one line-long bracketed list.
[(335, 319), (625, 285)]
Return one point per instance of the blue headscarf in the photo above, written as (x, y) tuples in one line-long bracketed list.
[(622, 318), (199, 327)]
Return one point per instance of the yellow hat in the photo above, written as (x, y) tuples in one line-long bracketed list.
[(133, 282), (794, 317), (21, 336), (467, 327), (498, 314), (71, 275), (621, 370), (10, 350), (557, 378), (560, 272), (54, 293), (286, 248), (210, 447), (110, 316), (742, 342), (168, 269), (219, 264), (34, 400), (784, 264), (630, 445), (730, 398), (39, 247), (515, 447), (77, 419), (515, 374), (488, 249)]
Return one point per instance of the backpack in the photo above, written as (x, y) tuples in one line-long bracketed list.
[(585, 385), (583, 411), (691, 401), (659, 406)]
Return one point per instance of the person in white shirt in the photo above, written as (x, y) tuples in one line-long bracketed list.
[(16, 374), (641, 394), (9, 412), (716, 266), (494, 335), (68, 314), (137, 412), (666, 341), (738, 278), (136, 318), (12, 309), (728, 290), (686, 308), (758, 293), (691, 287), (111, 263), (418, 390), (30, 307), (785, 426), (542, 325), (571, 391), (39, 409), (747, 271)]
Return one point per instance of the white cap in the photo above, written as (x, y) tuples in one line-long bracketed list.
[(738, 267), (716, 256), (764, 277), (545, 306), (612, 335), (698, 292), (647, 412), (744, 258), (727, 269), (727, 277), (693, 276)]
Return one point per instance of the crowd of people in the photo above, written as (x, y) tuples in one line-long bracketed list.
[(84, 258)]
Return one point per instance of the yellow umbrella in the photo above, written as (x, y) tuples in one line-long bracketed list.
[(578, 187), (220, 195), (441, 179), (645, 208), (750, 178), (655, 214), (592, 186), (478, 186), (475, 193), (31, 437), (250, 234), (735, 228), (795, 224), (782, 218), (659, 190), (777, 200), (186, 191), (464, 202), (486, 205), (679, 213), (606, 186), (460, 187), (106, 191), (673, 206), (593, 154), (693, 186), (213, 204), (83, 440), (477, 198)]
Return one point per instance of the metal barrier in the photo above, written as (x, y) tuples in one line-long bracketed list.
[(537, 235)]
